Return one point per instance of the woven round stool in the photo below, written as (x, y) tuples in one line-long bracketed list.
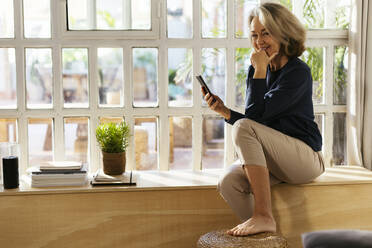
[(219, 239)]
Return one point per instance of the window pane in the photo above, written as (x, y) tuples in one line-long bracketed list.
[(180, 77), (213, 70), (8, 130), (109, 15), (287, 3), (179, 18), (145, 77), (341, 13), (242, 63), (242, 10), (76, 138), (36, 18), (75, 77), (213, 142), (146, 143), (321, 13), (110, 77), (339, 139), (7, 19), (39, 81), (340, 75), (111, 119), (319, 120), (313, 57), (8, 90), (310, 12), (141, 14), (180, 143), (214, 18), (40, 140)]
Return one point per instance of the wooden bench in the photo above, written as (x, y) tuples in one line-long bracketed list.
[(173, 209), (339, 199)]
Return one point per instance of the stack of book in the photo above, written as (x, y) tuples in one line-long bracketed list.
[(58, 173), (127, 178)]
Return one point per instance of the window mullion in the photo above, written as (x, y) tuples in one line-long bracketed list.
[(196, 113), (93, 149), (196, 21), (328, 94), (128, 106), (328, 137), (197, 136), (230, 80), (21, 108), (163, 121), (18, 19), (92, 9), (55, 20), (59, 140)]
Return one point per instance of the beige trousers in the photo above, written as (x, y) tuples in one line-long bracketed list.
[(288, 160)]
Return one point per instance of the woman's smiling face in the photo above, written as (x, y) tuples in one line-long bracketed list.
[(262, 39)]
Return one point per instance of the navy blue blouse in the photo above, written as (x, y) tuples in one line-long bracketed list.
[(283, 101)]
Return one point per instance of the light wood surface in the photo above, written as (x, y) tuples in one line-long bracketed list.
[(173, 209)]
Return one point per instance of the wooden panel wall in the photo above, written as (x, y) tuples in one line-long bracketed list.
[(170, 218), (119, 219), (300, 209)]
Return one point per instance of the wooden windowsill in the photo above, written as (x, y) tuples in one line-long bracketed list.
[(180, 180), (147, 181)]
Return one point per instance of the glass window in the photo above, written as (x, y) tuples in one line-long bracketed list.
[(179, 16), (214, 16), (180, 77), (8, 82), (8, 130), (75, 77), (213, 142), (110, 77), (76, 138), (313, 57), (145, 77), (40, 140), (146, 143), (7, 19), (180, 143), (111, 119), (340, 75), (39, 79), (242, 63), (242, 10), (339, 139), (37, 18), (109, 15), (214, 70), (321, 13)]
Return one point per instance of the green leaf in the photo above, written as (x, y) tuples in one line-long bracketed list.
[(113, 137)]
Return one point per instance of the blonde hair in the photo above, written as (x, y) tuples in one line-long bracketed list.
[(283, 26)]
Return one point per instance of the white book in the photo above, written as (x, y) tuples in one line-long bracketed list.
[(61, 165)]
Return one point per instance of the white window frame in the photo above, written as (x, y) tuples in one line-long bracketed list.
[(115, 34), (62, 39)]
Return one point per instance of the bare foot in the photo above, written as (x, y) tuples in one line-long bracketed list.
[(256, 224)]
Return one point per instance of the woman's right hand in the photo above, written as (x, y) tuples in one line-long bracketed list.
[(260, 60), (216, 104)]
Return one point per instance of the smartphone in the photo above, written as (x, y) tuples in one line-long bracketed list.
[(203, 84)]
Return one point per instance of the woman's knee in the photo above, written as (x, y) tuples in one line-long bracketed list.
[(233, 181), (242, 128)]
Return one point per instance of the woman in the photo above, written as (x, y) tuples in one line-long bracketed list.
[(276, 139)]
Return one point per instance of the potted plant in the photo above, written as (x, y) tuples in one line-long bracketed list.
[(113, 139)]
